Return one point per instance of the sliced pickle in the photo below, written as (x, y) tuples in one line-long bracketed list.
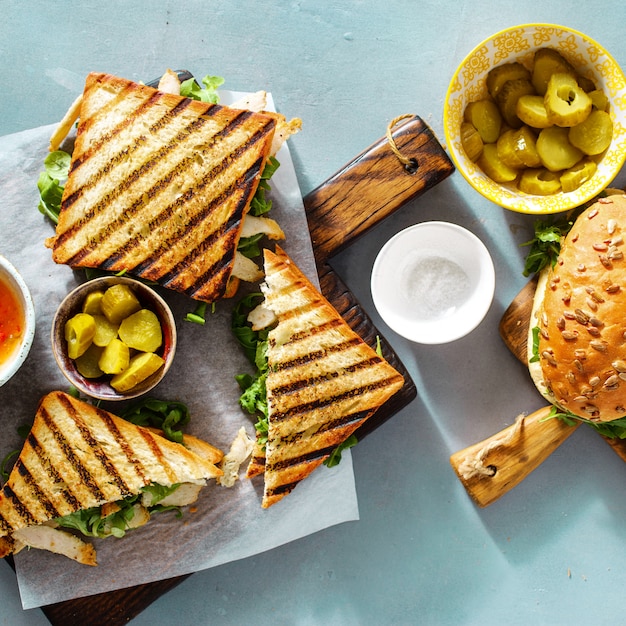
[(119, 302), (517, 148), (566, 102), (500, 74), (574, 177), (599, 100), (87, 363), (593, 135), (485, 117), (92, 301), (115, 357), (105, 331), (494, 167), (79, 332), (142, 331), (531, 109), (471, 141), (539, 182), (507, 99), (141, 366), (548, 62), (555, 150), (586, 83)]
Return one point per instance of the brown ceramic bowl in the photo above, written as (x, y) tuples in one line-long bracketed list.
[(100, 388)]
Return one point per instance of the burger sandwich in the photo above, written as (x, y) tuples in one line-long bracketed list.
[(577, 341)]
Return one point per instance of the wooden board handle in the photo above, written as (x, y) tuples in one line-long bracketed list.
[(374, 185), (492, 467)]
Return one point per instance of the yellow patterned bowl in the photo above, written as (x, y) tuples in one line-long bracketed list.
[(519, 44)]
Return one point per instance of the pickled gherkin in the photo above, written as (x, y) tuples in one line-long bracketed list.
[(518, 149), (499, 75), (577, 175), (485, 117), (79, 332), (115, 357), (490, 163), (566, 102), (141, 366), (555, 150), (141, 331), (105, 330), (87, 363), (507, 99), (471, 141), (593, 135), (119, 302), (539, 182), (599, 100), (547, 62), (92, 303), (531, 109)]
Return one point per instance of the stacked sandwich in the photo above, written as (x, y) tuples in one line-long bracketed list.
[(84, 468), (323, 381), (160, 186)]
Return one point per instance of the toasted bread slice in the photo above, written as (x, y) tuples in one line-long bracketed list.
[(159, 185), (324, 381), (78, 456)]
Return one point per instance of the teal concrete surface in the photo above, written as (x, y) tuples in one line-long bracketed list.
[(550, 552)]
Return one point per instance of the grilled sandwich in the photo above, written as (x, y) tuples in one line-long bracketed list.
[(160, 184), (323, 380), (79, 459)]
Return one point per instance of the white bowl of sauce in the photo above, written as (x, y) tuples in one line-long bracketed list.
[(433, 282), (17, 320)]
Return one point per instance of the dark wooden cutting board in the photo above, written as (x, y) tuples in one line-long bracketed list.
[(358, 197)]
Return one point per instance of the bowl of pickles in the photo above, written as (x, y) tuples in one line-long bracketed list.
[(535, 118), (114, 338)]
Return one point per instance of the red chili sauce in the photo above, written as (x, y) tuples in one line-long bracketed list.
[(11, 321)]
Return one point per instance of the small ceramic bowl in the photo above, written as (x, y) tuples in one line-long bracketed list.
[(520, 44), (99, 387), (18, 298), (433, 282)]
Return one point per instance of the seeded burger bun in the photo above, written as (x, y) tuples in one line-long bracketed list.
[(580, 310)]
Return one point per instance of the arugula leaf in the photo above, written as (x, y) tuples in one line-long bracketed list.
[(169, 416), (615, 429), (6, 461), (190, 89), (535, 349), (52, 182), (247, 338), (249, 246), (545, 246), (260, 204), (335, 456), (91, 523)]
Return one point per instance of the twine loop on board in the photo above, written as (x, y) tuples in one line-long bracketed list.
[(474, 466), (410, 164)]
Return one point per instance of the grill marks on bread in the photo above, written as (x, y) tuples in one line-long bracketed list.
[(159, 185), (78, 456), (323, 380)]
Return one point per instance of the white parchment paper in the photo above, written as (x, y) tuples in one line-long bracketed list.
[(228, 524)]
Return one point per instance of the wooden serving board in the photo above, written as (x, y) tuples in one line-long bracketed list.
[(365, 191), (492, 467)]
